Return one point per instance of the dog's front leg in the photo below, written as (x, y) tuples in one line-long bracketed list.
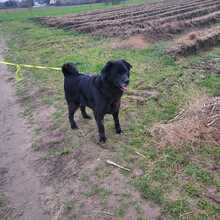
[(72, 107), (117, 123), (100, 124)]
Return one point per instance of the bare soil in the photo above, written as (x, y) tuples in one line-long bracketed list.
[(135, 42), (20, 185), (198, 123), (192, 42), (158, 21), (81, 185)]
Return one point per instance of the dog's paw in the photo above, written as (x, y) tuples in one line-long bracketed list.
[(119, 131), (87, 117), (102, 139), (74, 126)]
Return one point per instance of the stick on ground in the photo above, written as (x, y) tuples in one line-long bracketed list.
[(117, 165)]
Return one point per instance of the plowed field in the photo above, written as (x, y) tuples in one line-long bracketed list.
[(156, 21)]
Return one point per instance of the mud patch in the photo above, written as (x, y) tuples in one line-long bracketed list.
[(135, 42), (198, 124)]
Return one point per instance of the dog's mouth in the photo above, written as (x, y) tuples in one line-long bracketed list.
[(124, 88)]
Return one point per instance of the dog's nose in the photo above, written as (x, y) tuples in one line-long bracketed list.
[(127, 81)]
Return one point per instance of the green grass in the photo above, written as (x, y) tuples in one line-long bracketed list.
[(199, 174), (3, 201), (185, 171), (24, 14), (150, 192), (60, 152), (177, 209), (101, 192), (212, 83), (121, 210)]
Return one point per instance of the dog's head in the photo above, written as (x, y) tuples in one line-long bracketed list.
[(117, 73)]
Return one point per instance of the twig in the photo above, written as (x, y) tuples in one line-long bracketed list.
[(187, 213), (103, 212), (215, 116), (116, 165), (213, 109), (178, 116), (213, 122), (140, 154), (107, 213), (213, 198)]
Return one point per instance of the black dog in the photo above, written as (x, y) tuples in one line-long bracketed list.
[(102, 93)]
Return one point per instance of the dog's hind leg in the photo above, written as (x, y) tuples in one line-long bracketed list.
[(72, 107), (84, 113), (117, 123)]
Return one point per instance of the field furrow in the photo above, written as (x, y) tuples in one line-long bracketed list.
[(115, 14), (186, 12), (93, 27), (156, 21), (193, 42)]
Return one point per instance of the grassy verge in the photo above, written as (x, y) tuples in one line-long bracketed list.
[(176, 180)]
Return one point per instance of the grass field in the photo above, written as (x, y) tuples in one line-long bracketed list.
[(24, 14), (176, 180)]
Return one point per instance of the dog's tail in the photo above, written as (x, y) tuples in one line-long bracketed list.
[(69, 69)]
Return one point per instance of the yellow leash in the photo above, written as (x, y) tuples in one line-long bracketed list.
[(18, 76)]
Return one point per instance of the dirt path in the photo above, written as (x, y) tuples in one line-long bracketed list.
[(18, 181)]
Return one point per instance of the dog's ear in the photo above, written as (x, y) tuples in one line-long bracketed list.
[(106, 69), (128, 65)]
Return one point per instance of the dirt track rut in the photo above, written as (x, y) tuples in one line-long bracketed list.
[(18, 181)]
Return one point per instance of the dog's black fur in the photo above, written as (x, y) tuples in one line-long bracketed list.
[(102, 93)]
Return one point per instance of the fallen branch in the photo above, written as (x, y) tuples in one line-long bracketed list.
[(117, 165)]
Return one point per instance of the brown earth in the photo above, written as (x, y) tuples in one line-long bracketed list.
[(198, 124), (163, 20), (150, 20), (81, 185), (192, 42), (135, 42)]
